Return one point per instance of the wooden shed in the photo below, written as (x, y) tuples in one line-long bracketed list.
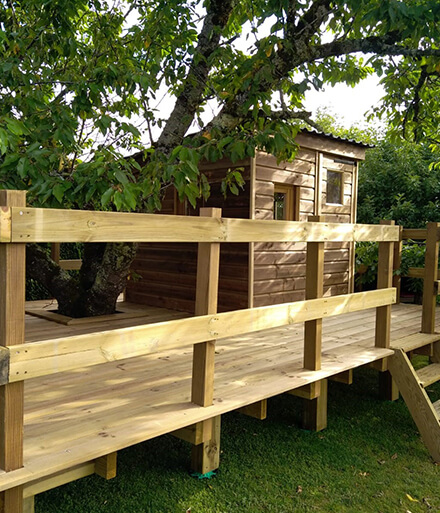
[(321, 181)]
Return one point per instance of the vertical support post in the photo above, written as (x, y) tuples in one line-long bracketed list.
[(205, 456), (315, 410), (55, 248), (397, 261), (430, 279), (387, 387), (314, 290), (12, 296), (384, 281)]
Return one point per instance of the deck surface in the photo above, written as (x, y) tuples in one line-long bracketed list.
[(74, 417)]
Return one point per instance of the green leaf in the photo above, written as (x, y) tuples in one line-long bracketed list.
[(107, 196)]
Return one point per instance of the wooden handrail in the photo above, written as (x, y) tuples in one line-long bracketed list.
[(53, 225), (414, 233), (35, 359)]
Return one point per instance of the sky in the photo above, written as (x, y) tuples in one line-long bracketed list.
[(349, 103)]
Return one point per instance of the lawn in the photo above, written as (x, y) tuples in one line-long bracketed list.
[(370, 459)]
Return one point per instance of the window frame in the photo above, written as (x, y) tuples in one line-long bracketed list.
[(291, 202), (341, 192)]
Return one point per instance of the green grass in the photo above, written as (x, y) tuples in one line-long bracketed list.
[(369, 460)]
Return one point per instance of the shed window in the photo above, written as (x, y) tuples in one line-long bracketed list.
[(335, 189), (286, 202)]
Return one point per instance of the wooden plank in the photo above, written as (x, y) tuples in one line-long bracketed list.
[(55, 249), (345, 377), (329, 145), (105, 466), (414, 341), (314, 290), (147, 425), (71, 265), (418, 402), (54, 225), (429, 374), (12, 296), (315, 410), (68, 353), (208, 263), (205, 457), (196, 433), (251, 254), (436, 406), (417, 272), (256, 410), (388, 389), (431, 272), (414, 234), (310, 391), (384, 280), (5, 224), (53, 481), (29, 505), (397, 262)]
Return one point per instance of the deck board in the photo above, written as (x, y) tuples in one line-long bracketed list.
[(74, 417)]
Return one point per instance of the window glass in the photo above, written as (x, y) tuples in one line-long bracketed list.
[(334, 187), (279, 205)]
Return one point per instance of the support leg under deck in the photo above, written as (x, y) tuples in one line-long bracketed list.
[(388, 389), (315, 410), (205, 457)]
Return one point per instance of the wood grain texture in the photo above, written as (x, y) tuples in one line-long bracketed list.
[(12, 295), (384, 280), (314, 290), (208, 264), (53, 225), (68, 353), (430, 277), (418, 402)]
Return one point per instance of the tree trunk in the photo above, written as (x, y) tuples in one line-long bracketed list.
[(95, 289)]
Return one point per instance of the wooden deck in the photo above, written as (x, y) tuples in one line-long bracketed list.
[(75, 417)]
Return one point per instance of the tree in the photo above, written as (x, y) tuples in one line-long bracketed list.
[(76, 76), (399, 181)]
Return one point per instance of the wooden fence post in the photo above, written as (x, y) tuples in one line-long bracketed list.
[(384, 281), (205, 456), (397, 261), (314, 290), (12, 295), (430, 279), (315, 409), (387, 387)]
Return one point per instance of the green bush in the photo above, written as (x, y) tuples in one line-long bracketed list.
[(400, 182)]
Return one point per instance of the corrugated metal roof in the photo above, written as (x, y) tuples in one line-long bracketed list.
[(315, 131)]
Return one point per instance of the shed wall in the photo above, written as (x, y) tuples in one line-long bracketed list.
[(279, 268), (165, 274)]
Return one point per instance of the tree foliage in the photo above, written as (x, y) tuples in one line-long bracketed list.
[(399, 181), (85, 82)]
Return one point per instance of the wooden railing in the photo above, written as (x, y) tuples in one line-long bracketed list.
[(429, 273), (20, 361)]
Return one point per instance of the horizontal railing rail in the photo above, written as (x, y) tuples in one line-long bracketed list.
[(53, 225), (36, 359)]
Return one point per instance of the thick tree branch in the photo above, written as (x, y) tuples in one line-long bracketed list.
[(58, 282), (194, 87)]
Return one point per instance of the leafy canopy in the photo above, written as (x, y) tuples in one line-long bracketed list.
[(86, 82)]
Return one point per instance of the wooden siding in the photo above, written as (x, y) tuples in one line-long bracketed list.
[(164, 275), (262, 273), (279, 268)]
